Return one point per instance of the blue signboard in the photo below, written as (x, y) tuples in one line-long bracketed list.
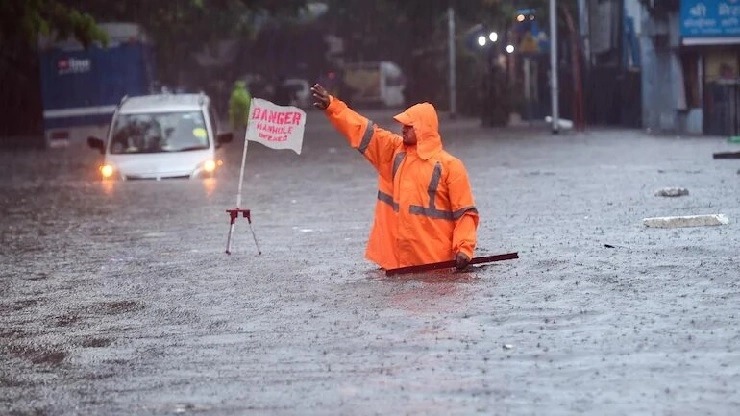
[(710, 18)]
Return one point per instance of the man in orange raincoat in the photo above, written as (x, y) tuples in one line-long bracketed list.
[(425, 211)]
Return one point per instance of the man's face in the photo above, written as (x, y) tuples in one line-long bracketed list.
[(409, 136)]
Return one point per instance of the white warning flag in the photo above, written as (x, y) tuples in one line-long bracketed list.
[(275, 126)]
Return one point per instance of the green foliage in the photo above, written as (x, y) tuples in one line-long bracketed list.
[(239, 105), (24, 20)]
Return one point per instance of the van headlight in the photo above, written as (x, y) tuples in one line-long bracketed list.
[(107, 170), (205, 169), (209, 166)]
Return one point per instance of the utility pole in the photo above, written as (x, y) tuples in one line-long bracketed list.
[(453, 67), (554, 65)]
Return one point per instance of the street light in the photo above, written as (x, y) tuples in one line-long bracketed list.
[(493, 37), (509, 48)]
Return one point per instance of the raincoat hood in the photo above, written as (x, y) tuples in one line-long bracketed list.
[(423, 118)]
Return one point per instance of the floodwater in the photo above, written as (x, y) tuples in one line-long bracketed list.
[(118, 298)]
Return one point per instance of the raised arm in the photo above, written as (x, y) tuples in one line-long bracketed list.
[(374, 143)]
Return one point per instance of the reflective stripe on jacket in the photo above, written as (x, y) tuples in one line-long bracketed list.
[(425, 210)]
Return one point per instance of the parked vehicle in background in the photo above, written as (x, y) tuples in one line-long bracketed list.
[(301, 92), (375, 83), (81, 87), (161, 136)]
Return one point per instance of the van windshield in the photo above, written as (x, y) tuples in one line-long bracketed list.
[(176, 131)]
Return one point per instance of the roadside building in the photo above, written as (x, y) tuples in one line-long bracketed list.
[(691, 59)]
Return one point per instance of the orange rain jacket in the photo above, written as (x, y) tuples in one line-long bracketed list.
[(425, 211)]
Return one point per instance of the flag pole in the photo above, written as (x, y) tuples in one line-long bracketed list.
[(235, 212), (241, 171)]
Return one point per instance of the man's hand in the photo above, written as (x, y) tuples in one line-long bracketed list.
[(461, 261), (321, 97)]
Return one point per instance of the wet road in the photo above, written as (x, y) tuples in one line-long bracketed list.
[(118, 298)]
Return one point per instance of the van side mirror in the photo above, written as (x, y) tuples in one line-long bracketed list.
[(96, 143), (222, 138)]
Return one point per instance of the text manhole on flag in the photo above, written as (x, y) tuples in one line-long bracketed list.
[(275, 126)]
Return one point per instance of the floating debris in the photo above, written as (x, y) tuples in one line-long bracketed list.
[(686, 221), (672, 191)]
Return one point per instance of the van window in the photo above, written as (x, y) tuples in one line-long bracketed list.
[(159, 132)]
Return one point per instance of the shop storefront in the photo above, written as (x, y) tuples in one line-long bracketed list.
[(710, 64)]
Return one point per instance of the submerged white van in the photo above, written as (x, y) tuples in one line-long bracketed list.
[(161, 136)]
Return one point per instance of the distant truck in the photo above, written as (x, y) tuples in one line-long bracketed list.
[(375, 83), (80, 87)]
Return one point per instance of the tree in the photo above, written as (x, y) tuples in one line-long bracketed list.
[(21, 24), (24, 20)]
